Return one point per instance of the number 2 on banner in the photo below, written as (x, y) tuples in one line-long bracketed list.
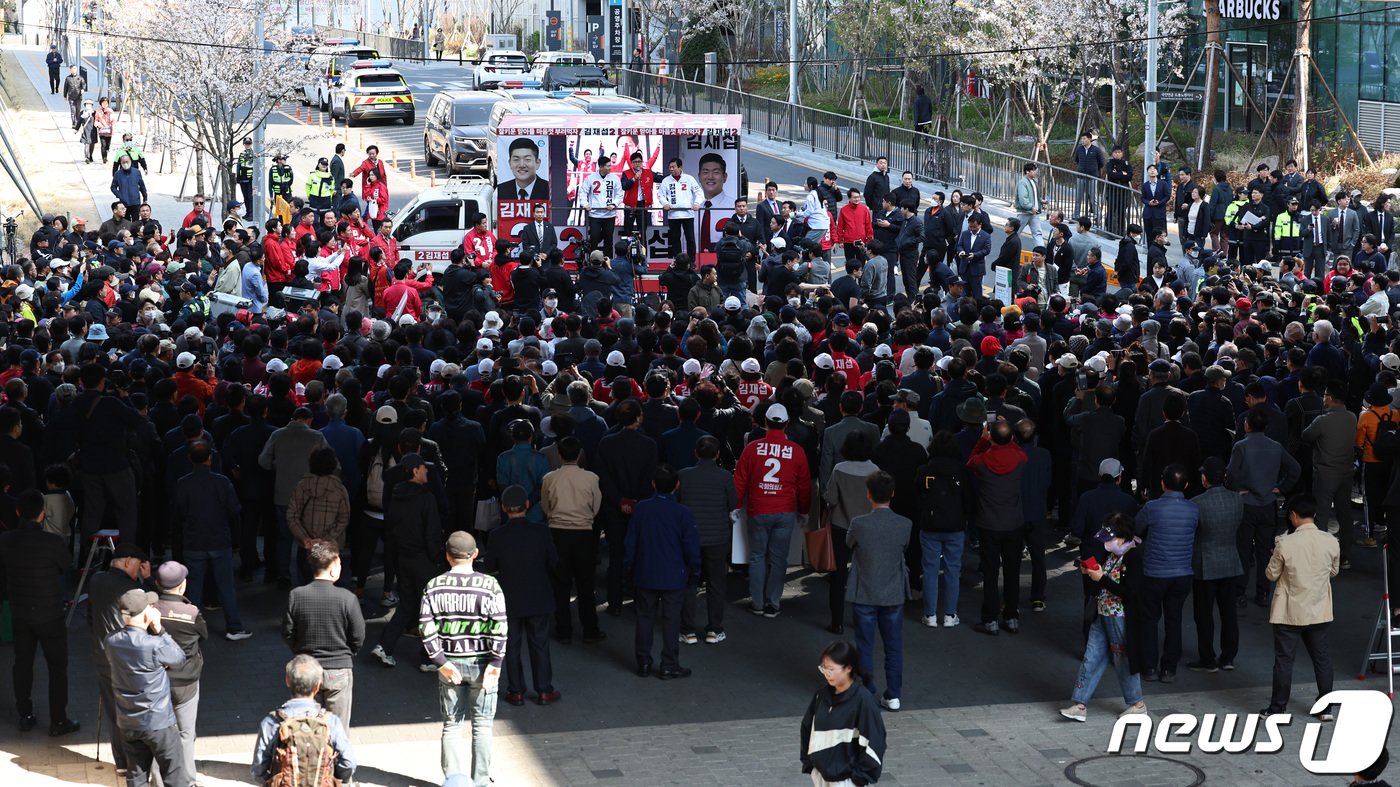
[(774, 466)]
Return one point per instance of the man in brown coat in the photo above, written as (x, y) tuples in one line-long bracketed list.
[(1303, 564)]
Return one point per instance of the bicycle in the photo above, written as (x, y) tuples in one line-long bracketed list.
[(10, 225)]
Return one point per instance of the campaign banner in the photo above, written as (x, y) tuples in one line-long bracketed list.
[(543, 159)]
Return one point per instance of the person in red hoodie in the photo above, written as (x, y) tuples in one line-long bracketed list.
[(306, 225), (853, 224), (996, 465), (278, 258), (189, 380), (774, 486)]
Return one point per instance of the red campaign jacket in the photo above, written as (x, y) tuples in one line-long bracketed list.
[(772, 476), (390, 246), (853, 223), (842, 362), (640, 192), (278, 258), (480, 247), (363, 172), (378, 193)]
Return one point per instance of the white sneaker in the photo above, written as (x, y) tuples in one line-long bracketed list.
[(931, 621), (950, 621), (889, 703), (384, 658), (1075, 713), (689, 638), (715, 637)]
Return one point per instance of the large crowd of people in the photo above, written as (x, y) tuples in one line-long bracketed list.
[(477, 448)]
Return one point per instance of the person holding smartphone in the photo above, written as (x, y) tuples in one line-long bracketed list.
[(1118, 605)]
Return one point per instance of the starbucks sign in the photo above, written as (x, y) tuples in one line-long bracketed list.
[(1267, 10)]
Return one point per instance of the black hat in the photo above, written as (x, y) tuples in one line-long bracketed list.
[(411, 462), (130, 550), (1378, 395), (521, 429)]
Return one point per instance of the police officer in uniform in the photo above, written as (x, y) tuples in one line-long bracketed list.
[(244, 175), (320, 186), (191, 302), (1288, 233), (1232, 212), (279, 178)]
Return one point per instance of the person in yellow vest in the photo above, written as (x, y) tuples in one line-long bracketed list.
[(1232, 212), (279, 177), (320, 186), (1288, 235)]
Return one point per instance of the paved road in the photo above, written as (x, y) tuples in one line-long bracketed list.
[(404, 144)]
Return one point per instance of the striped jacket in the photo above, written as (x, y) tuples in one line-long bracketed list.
[(843, 735)]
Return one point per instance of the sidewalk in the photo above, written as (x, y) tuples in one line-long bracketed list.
[(170, 181)]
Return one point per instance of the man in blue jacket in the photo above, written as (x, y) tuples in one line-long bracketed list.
[(1168, 528), (128, 185), (663, 553)]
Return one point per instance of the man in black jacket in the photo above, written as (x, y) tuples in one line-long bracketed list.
[(415, 525), (32, 564), (128, 568), (187, 627), (208, 508), (911, 234), (1009, 256), (457, 283), (522, 557), (877, 184), (1126, 263), (625, 479)]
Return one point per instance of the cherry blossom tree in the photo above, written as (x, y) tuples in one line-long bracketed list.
[(211, 82)]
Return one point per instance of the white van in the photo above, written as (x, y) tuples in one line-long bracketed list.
[(435, 222)]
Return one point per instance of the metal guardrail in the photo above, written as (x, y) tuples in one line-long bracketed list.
[(934, 159), (391, 47)]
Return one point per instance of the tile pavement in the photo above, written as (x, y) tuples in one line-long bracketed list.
[(978, 710)]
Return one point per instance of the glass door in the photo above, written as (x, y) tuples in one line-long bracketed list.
[(1246, 79)]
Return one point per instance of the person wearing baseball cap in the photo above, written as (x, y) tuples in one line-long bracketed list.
[(188, 628), (774, 486), (520, 557), (140, 655), (412, 515)]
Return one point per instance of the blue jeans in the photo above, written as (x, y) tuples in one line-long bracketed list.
[(463, 704), (949, 548), (1106, 637), (769, 536), (891, 622), (734, 289), (220, 562), (821, 260)]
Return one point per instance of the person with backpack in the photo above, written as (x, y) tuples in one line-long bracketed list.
[(1378, 439), (732, 256), (302, 744), (945, 501)]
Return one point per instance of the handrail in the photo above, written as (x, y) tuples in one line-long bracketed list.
[(933, 159)]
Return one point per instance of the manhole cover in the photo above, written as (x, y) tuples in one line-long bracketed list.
[(1109, 769)]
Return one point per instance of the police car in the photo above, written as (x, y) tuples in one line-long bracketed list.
[(503, 68), (371, 89), (328, 63), (434, 222)]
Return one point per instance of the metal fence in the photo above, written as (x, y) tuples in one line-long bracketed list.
[(391, 47), (939, 160)]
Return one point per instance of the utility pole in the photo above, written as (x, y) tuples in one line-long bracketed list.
[(792, 52), (1150, 110), (255, 211)]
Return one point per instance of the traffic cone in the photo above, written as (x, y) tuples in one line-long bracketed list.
[(432, 179), (394, 159)]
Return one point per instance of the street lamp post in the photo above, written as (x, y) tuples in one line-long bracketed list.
[(1150, 121)]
